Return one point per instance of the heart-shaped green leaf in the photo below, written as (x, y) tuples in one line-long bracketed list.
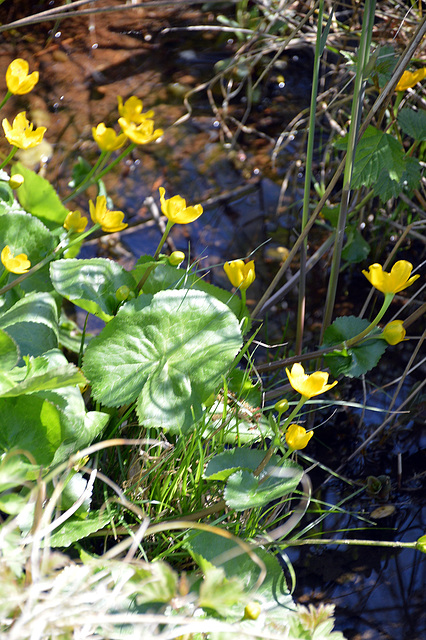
[(168, 351)]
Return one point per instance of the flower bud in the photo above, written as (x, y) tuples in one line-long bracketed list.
[(297, 437), (122, 293), (176, 258), (252, 611), (394, 332), (281, 406), (421, 544), (16, 181)]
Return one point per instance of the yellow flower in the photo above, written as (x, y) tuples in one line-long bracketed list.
[(297, 437), (393, 282), (110, 221), (308, 385), (75, 222), (107, 139), (410, 79), (176, 211), (394, 332), (131, 110), (21, 133), (17, 79), (140, 133), (240, 274), (15, 264)]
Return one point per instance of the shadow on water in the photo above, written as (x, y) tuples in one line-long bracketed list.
[(378, 593)]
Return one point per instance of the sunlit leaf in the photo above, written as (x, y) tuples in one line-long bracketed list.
[(168, 352)]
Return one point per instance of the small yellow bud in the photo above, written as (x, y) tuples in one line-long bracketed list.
[(394, 332), (252, 611), (16, 181), (176, 258)]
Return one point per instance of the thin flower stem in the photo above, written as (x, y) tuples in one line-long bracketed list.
[(308, 179), (9, 157), (5, 99), (151, 268), (386, 303), (351, 542), (358, 97), (273, 447), (88, 178), (104, 171)]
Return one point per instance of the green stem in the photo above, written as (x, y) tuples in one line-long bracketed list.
[(9, 157), (359, 84), (386, 303), (273, 447), (151, 268), (361, 543), (104, 171), (308, 179), (88, 178), (5, 99)]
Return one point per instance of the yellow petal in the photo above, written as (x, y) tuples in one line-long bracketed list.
[(297, 437), (308, 385)]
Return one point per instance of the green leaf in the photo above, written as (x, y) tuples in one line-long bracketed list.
[(356, 248), (32, 424), (225, 552), (91, 284), (376, 152), (32, 323), (37, 196), (50, 424), (6, 195), (413, 123), (246, 491), (167, 277), (220, 593), (168, 351), (41, 376), (154, 582), (23, 233), (221, 466), (9, 352), (360, 358), (75, 528)]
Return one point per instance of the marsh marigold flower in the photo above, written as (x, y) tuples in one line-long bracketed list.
[(142, 133), (107, 139), (110, 221), (308, 385), (20, 134), (18, 80), (131, 110), (240, 274), (394, 332), (409, 79), (176, 211), (297, 437), (393, 282), (15, 264), (75, 222)]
